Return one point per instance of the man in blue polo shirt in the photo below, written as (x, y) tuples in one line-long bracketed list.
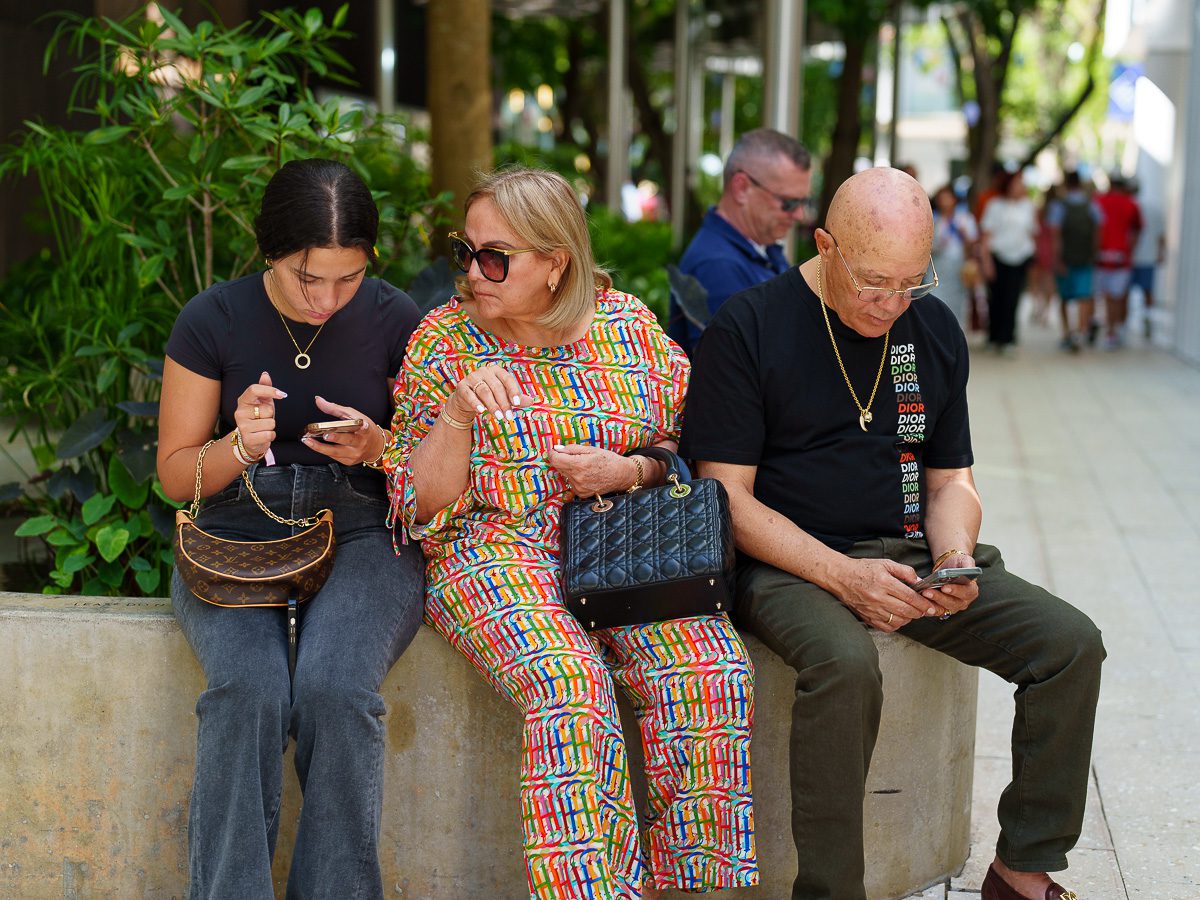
[(767, 179)]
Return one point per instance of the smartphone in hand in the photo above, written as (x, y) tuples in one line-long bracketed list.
[(333, 427), (947, 576)]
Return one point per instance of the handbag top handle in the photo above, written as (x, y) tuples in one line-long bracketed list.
[(194, 509), (678, 475), (675, 465)]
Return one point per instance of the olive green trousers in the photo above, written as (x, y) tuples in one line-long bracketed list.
[(1048, 649)]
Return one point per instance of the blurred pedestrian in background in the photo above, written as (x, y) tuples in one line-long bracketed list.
[(1074, 222), (955, 237), (1149, 253), (1120, 228), (1041, 271), (1008, 225)]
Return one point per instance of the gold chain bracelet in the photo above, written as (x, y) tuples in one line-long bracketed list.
[(954, 551), (640, 481)]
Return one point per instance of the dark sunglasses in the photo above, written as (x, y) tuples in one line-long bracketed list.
[(492, 261), (786, 204)]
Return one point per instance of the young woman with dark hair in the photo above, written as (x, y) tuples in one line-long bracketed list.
[(254, 360)]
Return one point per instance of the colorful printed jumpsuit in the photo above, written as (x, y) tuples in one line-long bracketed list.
[(493, 593)]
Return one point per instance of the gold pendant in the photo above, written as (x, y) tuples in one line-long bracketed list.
[(863, 419), (303, 361)]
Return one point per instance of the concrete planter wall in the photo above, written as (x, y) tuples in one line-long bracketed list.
[(97, 738)]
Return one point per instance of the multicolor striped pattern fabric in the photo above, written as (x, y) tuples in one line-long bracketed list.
[(493, 593)]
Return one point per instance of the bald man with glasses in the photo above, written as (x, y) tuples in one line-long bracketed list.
[(831, 402), (767, 178)]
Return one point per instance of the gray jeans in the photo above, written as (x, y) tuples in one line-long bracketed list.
[(350, 635)]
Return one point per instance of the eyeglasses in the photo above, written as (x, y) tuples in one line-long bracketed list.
[(786, 204), (872, 294), (493, 262)]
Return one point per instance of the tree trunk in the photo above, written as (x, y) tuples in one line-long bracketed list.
[(579, 105), (848, 130), (649, 118), (459, 95)]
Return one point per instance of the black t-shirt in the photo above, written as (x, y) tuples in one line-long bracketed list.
[(232, 333), (766, 391)]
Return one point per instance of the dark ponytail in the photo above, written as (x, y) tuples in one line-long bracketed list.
[(316, 203)]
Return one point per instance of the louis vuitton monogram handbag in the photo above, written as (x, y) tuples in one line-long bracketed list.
[(283, 572)]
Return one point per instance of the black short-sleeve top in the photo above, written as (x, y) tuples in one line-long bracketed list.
[(231, 333), (766, 391)]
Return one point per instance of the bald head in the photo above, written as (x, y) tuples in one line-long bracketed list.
[(877, 234), (881, 211)]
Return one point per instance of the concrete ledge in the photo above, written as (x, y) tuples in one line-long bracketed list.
[(97, 738)]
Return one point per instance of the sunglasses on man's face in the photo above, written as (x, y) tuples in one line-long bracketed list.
[(492, 261), (787, 204)]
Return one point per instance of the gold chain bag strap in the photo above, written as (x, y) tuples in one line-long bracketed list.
[(282, 572)]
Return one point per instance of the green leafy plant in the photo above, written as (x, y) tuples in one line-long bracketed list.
[(636, 254), (143, 209)]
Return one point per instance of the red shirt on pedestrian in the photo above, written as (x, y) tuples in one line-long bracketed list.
[(1118, 230)]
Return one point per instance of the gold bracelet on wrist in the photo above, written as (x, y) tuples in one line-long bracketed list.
[(239, 449), (954, 551), (377, 462), (453, 422), (640, 481)]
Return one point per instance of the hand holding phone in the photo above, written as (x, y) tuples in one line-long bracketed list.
[(333, 427), (947, 576)]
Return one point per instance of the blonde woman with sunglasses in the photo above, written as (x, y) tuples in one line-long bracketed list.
[(522, 392)]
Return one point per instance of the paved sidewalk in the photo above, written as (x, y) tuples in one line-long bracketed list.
[(1089, 467)]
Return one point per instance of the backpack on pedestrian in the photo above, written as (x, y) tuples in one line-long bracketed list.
[(1078, 233)]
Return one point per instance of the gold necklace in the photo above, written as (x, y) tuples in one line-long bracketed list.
[(301, 359), (864, 412)]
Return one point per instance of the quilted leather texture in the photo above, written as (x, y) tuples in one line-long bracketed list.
[(254, 573), (651, 557)]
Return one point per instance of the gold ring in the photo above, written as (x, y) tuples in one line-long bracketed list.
[(257, 411), (890, 617)]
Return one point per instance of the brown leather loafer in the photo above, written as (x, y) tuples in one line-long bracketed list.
[(996, 888)]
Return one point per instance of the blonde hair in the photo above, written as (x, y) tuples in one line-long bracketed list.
[(542, 209)]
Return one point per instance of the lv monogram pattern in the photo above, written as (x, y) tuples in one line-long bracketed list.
[(253, 573)]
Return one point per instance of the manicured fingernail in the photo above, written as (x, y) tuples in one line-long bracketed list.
[(933, 610), (498, 414), (516, 398), (510, 414), (280, 395), (480, 408), (557, 446)]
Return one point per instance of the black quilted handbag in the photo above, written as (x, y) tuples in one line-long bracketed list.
[(655, 554)]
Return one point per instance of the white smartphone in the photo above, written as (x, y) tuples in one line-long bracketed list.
[(947, 576)]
